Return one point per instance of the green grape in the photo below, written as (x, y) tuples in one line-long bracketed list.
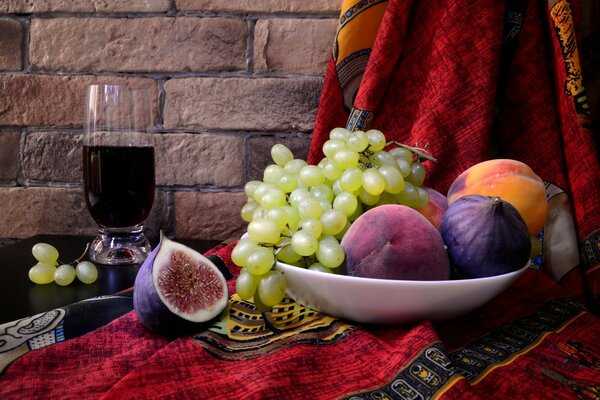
[(311, 175), (287, 183), (250, 187), (297, 195), (402, 153), (346, 158), (373, 182), (382, 157), (320, 268), (404, 167), (260, 260), (417, 173), (293, 217), (409, 196), (243, 248), (259, 212), (340, 235), (368, 198), (64, 275), (345, 202), (358, 141), (86, 272), (333, 221), (271, 288), (281, 154), (376, 140), (304, 243), (287, 255), (246, 284), (423, 197), (279, 215), (323, 191), (351, 179), (263, 230), (272, 173), (332, 146), (337, 187), (394, 182), (342, 134), (261, 189), (45, 253), (248, 210), (325, 204), (331, 170), (293, 167), (42, 273), (309, 207), (312, 226), (329, 253), (273, 198), (387, 198)]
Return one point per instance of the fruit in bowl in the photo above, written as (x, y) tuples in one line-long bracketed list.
[(393, 241), (362, 211), (485, 236), (512, 181)]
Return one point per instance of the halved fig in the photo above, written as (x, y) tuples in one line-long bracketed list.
[(177, 289)]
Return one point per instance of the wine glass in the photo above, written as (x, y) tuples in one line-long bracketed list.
[(118, 171)]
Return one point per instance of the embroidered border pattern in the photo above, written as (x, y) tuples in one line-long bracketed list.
[(434, 369), (244, 332)]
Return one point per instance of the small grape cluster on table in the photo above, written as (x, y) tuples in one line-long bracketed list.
[(49, 269)]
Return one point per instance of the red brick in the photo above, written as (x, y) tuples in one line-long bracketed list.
[(139, 44), (199, 159), (29, 6), (9, 155), (293, 45), (268, 104), (209, 215), (262, 6), (11, 44), (50, 100)]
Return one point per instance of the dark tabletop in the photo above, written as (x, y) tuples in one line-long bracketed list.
[(19, 297)]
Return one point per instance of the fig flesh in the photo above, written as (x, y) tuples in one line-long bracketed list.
[(485, 236), (177, 289)]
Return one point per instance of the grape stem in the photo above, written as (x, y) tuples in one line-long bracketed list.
[(81, 257), (421, 152)]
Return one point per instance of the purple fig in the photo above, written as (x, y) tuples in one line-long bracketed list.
[(177, 289)]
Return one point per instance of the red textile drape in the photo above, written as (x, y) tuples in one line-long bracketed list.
[(476, 81)]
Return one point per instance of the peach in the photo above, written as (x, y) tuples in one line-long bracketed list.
[(512, 181), (435, 208), (393, 241)]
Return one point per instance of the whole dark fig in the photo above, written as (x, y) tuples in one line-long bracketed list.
[(485, 236), (177, 290)]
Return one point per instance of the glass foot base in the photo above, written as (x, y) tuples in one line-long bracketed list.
[(120, 247)]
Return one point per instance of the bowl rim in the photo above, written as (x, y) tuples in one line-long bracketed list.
[(400, 282)]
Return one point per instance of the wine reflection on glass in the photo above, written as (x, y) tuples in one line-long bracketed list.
[(118, 171)]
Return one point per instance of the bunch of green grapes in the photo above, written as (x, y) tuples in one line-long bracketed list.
[(299, 213), (46, 270)]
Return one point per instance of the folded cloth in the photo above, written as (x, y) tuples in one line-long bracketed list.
[(532, 341), (476, 81)]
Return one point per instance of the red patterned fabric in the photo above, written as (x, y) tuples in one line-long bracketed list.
[(448, 73), (530, 342)]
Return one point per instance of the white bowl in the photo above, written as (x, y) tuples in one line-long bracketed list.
[(383, 301)]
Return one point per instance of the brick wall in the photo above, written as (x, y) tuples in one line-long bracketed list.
[(230, 78)]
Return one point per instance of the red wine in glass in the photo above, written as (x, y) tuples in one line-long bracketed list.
[(119, 184)]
